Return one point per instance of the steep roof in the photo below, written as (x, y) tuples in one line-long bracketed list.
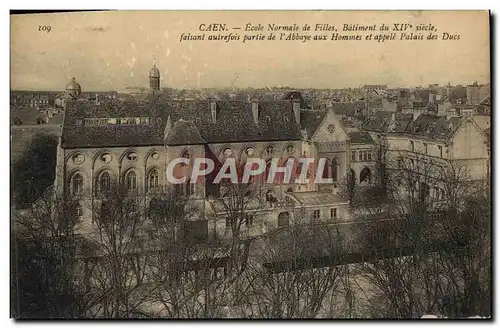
[(433, 126), (361, 138), (234, 122), (310, 120), (382, 121), (184, 133)]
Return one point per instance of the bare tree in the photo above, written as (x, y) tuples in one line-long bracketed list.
[(44, 249), (119, 247), (298, 274)]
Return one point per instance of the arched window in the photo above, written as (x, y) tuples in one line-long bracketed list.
[(267, 171), (105, 182), (153, 179), (77, 184), (131, 181), (335, 169), (328, 169), (365, 175)]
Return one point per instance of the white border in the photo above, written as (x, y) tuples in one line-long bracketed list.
[(200, 4)]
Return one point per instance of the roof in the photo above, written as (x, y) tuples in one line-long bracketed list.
[(184, 133), (234, 122), (154, 72), (354, 108), (310, 120), (382, 121), (317, 198), (433, 126), (361, 138)]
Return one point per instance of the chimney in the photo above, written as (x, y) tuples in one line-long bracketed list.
[(213, 109), (296, 109), (255, 110)]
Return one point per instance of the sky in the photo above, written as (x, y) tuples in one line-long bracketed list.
[(114, 50)]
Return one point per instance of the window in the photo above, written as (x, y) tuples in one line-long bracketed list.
[(353, 156), (153, 179), (425, 148), (249, 220), (270, 151), (79, 211), (77, 184), (131, 181), (327, 170), (440, 151), (132, 156), (283, 219), (369, 155), (316, 214), (335, 165), (333, 213), (412, 145), (105, 182)]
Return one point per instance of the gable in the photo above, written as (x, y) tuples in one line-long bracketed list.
[(323, 132)]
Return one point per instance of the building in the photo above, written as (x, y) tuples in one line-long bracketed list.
[(476, 93), (132, 141)]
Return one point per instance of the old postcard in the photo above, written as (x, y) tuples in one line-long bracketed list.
[(251, 164)]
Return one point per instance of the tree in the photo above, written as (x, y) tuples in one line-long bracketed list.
[(43, 255), (33, 172), (299, 274), (117, 254)]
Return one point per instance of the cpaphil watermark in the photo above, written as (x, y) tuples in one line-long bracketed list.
[(183, 170)]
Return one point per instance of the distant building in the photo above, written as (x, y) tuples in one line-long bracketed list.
[(476, 93)]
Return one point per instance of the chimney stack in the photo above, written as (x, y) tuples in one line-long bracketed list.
[(213, 109), (255, 110)]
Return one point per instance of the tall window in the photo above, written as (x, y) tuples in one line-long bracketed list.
[(335, 165), (353, 156), (425, 148), (440, 151), (153, 179), (412, 145), (105, 182), (77, 184), (316, 215), (333, 213), (328, 169), (131, 181)]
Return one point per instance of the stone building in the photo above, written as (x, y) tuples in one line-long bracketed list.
[(131, 142)]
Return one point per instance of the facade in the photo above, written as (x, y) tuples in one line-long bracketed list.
[(130, 142), (434, 143)]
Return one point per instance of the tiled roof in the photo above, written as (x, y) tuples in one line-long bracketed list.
[(381, 121), (352, 109), (184, 133), (360, 138), (310, 120), (317, 198), (433, 126), (234, 122)]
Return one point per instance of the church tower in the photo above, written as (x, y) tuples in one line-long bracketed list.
[(154, 78)]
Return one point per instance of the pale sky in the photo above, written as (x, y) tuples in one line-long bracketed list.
[(114, 50)]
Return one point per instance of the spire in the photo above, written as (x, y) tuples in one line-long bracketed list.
[(154, 61)]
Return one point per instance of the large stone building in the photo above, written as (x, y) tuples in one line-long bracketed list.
[(132, 142)]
